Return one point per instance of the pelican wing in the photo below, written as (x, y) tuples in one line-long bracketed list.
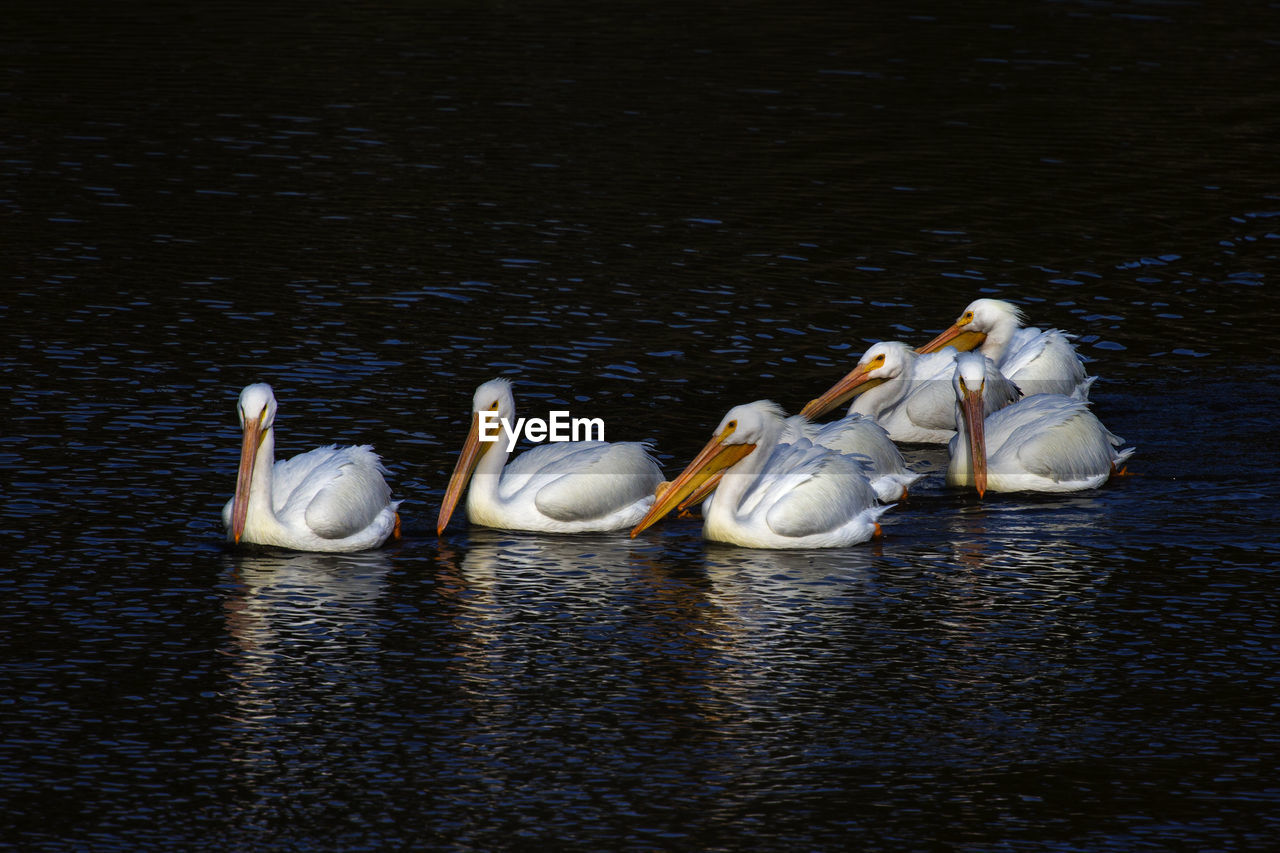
[(1059, 438), (1026, 345), (593, 479), (343, 492), (854, 433), (862, 436), (1044, 362), (931, 403), (806, 490), (289, 476)]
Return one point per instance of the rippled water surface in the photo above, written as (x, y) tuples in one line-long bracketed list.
[(646, 213)]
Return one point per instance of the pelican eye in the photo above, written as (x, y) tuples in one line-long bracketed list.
[(966, 317)]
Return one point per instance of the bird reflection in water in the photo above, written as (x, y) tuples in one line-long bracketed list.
[(303, 630), (590, 633)]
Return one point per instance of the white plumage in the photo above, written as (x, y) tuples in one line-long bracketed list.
[(859, 435), (328, 499), (1042, 443), (907, 393), (775, 495), (1039, 362), (558, 487)]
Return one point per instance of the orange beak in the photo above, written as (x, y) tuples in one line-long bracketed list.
[(701, 493), (711, 462), (472, 450), (853, 384), (957, 336), (249, 445), (971, 406)]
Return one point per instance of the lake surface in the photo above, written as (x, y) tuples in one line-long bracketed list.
[(646, 213)]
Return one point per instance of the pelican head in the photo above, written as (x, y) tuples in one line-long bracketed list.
[(968, 381), (495, 395), (982, 318), (884, 361), (257, 411), (743, 429), (492, 396)]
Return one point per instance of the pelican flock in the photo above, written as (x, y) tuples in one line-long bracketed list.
[(1010, 401)]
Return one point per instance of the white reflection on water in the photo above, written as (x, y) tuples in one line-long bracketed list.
[(288, 603), (573, 638), (304, 631)]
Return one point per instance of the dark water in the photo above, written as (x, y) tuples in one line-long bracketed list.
[(646, 213)]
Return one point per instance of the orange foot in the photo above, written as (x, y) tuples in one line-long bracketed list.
[(395, 531)]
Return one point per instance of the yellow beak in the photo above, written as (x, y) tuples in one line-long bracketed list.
[(472, 450), (853, 384), (971, 406), (957, 336), (701, 493), (249, 445), (711, 461)]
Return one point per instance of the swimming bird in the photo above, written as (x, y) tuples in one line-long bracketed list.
[(774, 495), (557, 487), (328, 499), (1042, 443), (854, 434), (1039, 362), (907, 393)]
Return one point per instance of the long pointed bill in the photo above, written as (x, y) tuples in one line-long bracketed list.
[(853, 384), (472, 450), (974, 421), (244, 477), (713, 459), (956, 336)]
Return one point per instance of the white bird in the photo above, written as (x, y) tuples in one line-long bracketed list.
[(1039, 362), (775, 495), (558, 487), (854, 434), (907, 393), (1042, 443), (328, 499)]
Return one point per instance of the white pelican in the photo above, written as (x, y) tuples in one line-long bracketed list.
[(1039, 362), (1042, 443), (907, 393), (558, 487), (854, 434), (328, 499), (775, 495)]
